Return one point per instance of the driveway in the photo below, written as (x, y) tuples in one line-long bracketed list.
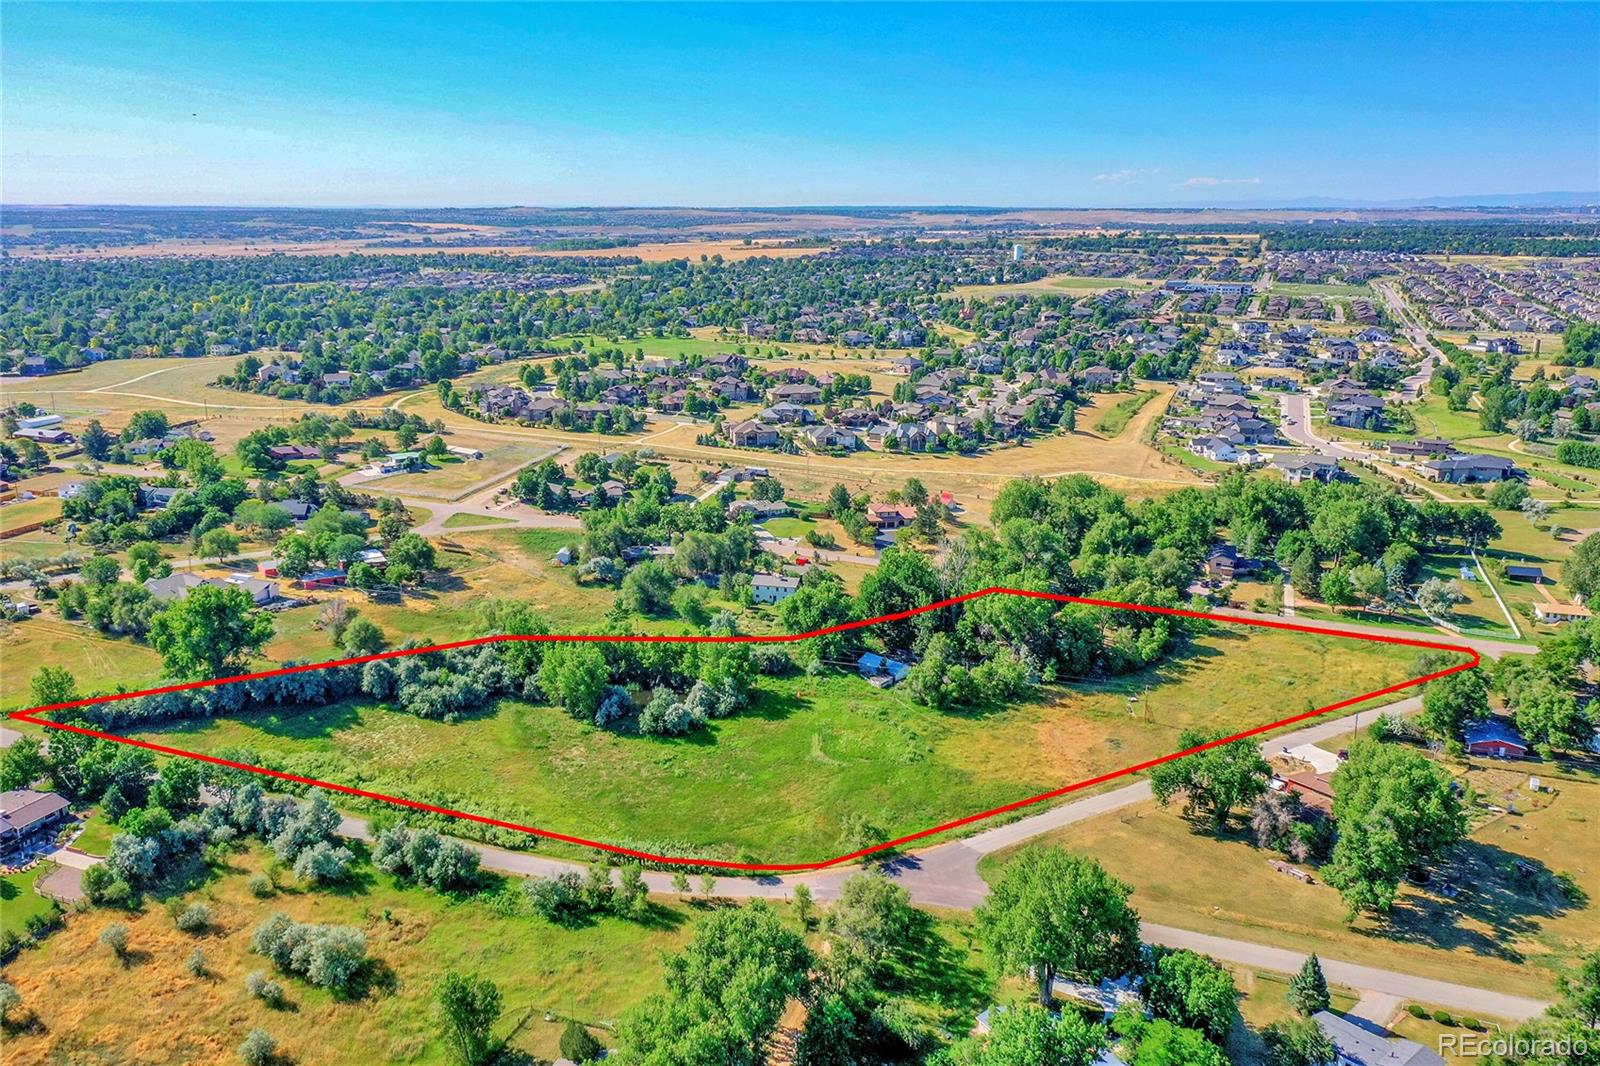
[(1296, 408)]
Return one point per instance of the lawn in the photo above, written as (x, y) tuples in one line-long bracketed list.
[(460, 519), (1499, 933), (775, 782), (20, 901)]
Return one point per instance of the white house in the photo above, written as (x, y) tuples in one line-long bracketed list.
[(773, 588)]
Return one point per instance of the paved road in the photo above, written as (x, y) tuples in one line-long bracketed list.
[(1482, 645), (1463, 998), (1296, 408)]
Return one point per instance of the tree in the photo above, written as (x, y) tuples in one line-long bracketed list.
[(1549, 717), (1215, 780), (1054, 912), (1396, 810), (803, 906), (468, 1006), (903, 580), (574, 676), (1159, 1042), (1450, 702), (258, 1048), (361, 637), (1581, 571), (1029, 1035), (1308, 989), (1298, 1042), (725, 992), (217, 543), (146, 561), (1438, 597), (647, 589), (211, 632), (1191, 990), (413, 552), (52, 684), (101, 570), (578, 1044), (869, 926), (22, 764), (96, 441)]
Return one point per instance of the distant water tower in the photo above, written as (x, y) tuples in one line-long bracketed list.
[(1016, 253)]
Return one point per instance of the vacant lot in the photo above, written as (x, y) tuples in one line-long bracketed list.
[(777, 781)]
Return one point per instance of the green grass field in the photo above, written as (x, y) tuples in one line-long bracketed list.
[(457, 521), (1301, 288), (777, 781), (1116, 420)]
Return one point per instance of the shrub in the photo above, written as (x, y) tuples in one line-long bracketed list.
[(328, 956), (1472, 1023), (578, 1044), (260, 886), (1443, 1017), (194, 918), (1416, 1010), (115, 937), (196, 962), (556, 899), (261, 987), (258, 1049)]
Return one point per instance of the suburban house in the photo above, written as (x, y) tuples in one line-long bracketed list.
[(1496, 738), (286, 452), (752, 435), (1297, 468), (890, 516), (26, 816), (1099, 377), (1426, 448), (1556, 613), (1358, 1046), (1463, 468), (1314, 790), (1216, 449), (1226, 563), (773, 588), (758, 509)]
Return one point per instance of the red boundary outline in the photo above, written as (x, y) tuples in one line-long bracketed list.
[(32, 716)]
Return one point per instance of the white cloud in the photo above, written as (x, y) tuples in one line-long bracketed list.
[(1207, 182), (1126, 174)]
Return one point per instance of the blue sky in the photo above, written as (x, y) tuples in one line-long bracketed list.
[(1036, 105)]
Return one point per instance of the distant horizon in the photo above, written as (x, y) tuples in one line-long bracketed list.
[(1147, 107), (1307, 203)]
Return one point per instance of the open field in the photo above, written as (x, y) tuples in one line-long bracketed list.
[(650, 252), (1114, 421), (861, 750), (1302, 288), (451, 477), (91, 1008), (1054, 283), (20, 513), (1498, 932)]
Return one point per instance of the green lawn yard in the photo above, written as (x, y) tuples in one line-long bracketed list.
[(18, 900)]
